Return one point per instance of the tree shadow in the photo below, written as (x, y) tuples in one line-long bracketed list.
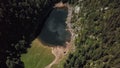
[(21, 21), (54, 32)]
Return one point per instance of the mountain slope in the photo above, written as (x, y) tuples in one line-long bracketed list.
[(97, 29)]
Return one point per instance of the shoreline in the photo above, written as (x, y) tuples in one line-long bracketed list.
[(60, 51)]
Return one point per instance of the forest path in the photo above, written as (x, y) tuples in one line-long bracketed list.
[(59, 52)]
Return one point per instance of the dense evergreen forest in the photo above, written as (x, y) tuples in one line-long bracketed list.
[(96, 27), (97, 39), (21, 22)]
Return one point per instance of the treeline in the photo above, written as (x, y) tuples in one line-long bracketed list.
[(97, 29), (21, 22)]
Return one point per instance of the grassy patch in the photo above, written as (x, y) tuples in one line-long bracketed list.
[(38, 56), (59, 65)]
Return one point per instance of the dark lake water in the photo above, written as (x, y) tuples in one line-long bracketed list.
[(54, 31)]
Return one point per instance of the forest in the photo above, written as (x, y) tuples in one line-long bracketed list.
[(21, 22), (96, 27)]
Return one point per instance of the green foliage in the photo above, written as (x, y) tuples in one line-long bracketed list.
[(38, 56), (20, 18), (98, 40)]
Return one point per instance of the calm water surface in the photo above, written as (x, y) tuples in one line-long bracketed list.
[(54, 31)]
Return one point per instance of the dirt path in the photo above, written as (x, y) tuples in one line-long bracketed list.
[(59, 51)]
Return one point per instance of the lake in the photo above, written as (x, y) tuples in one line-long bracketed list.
[(54, 31)]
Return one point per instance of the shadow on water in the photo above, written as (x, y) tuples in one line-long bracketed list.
[(16, 35), (54, 31), (21, 22)]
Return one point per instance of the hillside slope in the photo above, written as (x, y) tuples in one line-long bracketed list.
[(97, 28)]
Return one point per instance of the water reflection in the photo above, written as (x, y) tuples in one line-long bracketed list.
[(54, 32)]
